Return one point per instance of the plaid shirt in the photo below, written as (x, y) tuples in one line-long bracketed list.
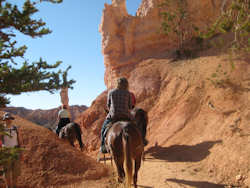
[(119, 104)]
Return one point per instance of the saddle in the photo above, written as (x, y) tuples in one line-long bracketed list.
[(114, 120)]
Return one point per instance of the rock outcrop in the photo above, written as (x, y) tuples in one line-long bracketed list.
[(128, 39)]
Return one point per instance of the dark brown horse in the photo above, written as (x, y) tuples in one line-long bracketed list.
[(124, 141), (72, 132)]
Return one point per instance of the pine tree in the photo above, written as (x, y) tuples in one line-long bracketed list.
[(17, 76), (177, 22), (235, 18)]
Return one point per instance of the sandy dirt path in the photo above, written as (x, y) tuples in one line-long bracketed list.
[(158, 173)]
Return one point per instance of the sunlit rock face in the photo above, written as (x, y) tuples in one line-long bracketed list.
[(128, 39)]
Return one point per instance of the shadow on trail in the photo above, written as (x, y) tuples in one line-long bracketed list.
[(197, 184), (182, 153)]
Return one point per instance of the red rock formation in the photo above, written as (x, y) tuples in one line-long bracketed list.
[(127, 39)]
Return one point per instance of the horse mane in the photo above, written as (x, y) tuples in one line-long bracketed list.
[(141, 117), (139, 112)]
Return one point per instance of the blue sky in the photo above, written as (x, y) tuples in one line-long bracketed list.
[(76, 41)]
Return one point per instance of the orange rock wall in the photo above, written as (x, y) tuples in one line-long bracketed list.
[(128, 39)]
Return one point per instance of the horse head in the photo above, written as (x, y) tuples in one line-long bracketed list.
[(141, 118)]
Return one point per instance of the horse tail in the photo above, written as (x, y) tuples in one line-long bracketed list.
[(127, 156), (78, 134)]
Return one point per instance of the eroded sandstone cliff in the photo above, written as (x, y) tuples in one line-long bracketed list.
[(128, 39)]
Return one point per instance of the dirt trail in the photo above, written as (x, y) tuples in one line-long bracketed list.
[(160, 173)]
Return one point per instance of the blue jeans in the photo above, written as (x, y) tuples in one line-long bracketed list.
[(104, 126), (103, 135)]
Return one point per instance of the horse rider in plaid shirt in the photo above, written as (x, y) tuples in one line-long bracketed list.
[(119, 104)]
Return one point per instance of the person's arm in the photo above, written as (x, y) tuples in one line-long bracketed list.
[(129, 102), (109, 101)]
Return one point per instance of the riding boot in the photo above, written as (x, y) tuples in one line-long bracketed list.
[(103, 148)]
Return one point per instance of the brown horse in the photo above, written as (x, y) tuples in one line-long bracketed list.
[(72, 132), (124, 142)]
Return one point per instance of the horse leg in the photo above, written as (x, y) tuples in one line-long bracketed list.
[(119, 166), (137, 167), (121, 173), (71, 141), (78, 135)]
